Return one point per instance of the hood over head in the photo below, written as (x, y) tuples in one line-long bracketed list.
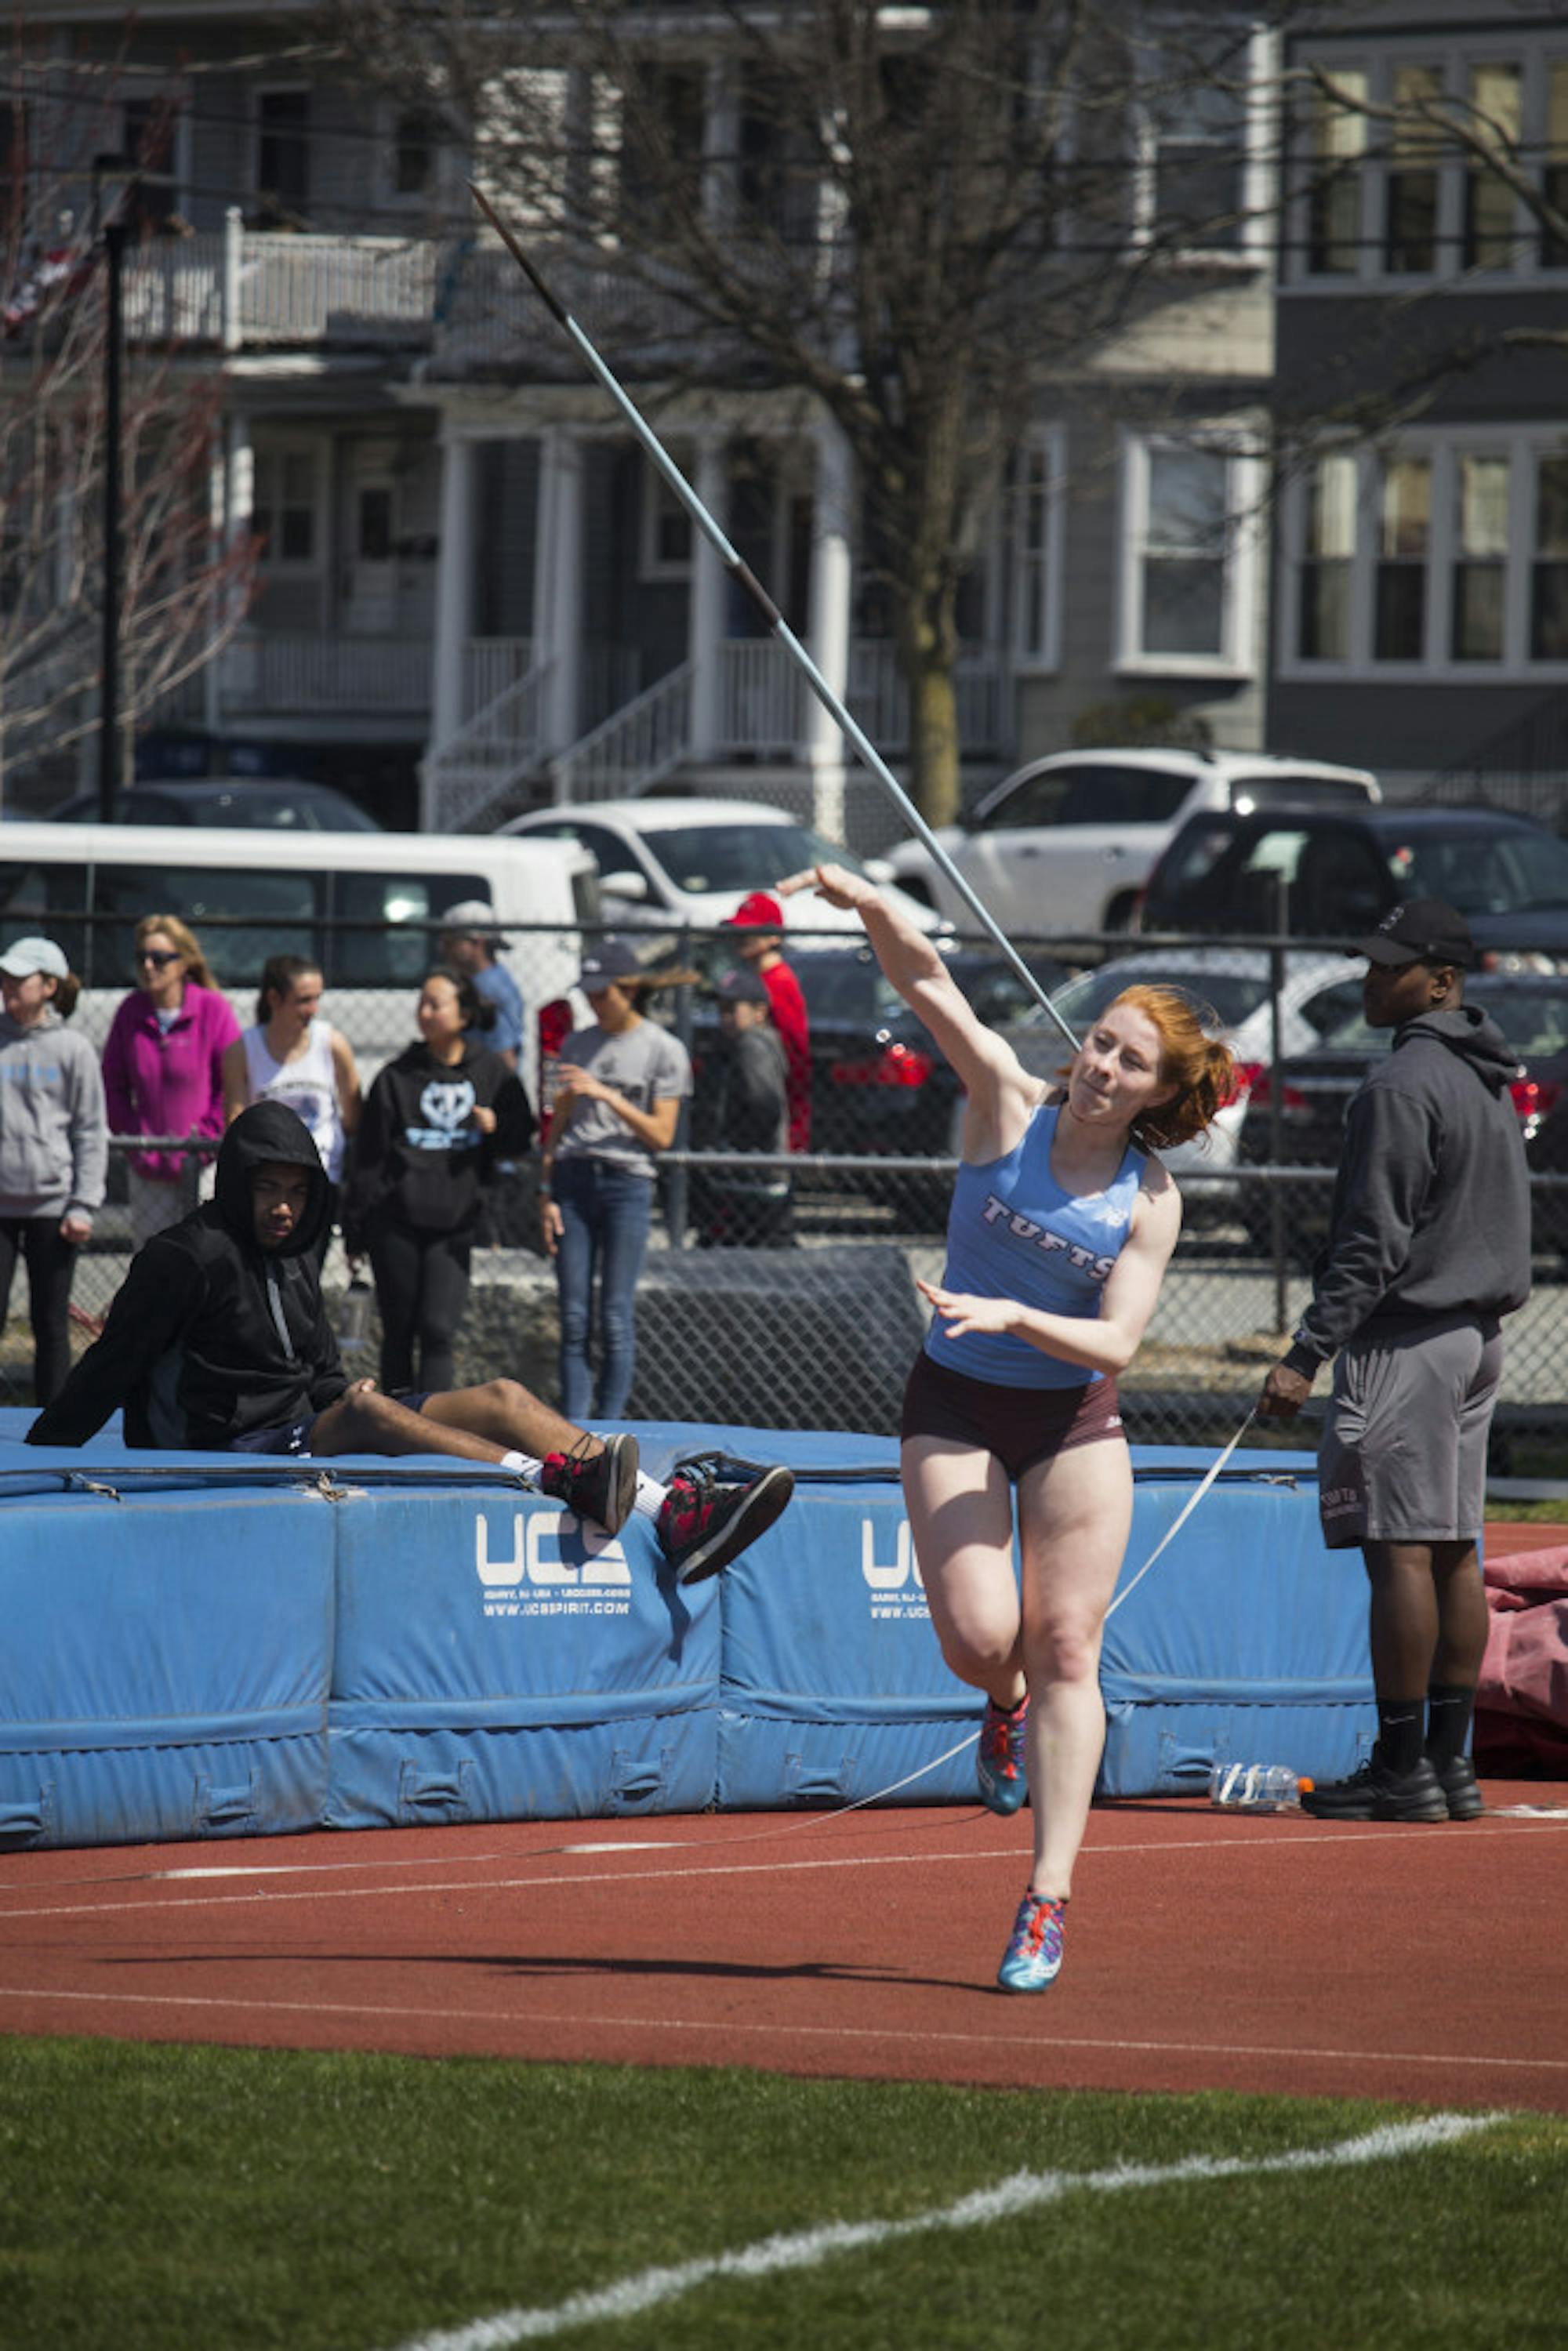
[(269, 1130), (1471, 1037)]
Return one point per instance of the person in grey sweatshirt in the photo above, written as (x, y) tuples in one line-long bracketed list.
[(54, 1147), (1428, 1248)]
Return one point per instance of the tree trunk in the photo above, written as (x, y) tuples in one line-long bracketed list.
[(927, 653)]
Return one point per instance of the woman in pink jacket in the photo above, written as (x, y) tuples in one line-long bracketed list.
[(162, 1065)]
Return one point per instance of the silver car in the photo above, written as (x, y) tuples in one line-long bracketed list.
[(1232, 987)]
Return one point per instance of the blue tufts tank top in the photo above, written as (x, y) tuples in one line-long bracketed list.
[(1013, 1232)]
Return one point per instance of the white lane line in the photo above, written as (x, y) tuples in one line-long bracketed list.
[(586, 2022), (1024, 2192), (313, 1869), (1015, 1855)]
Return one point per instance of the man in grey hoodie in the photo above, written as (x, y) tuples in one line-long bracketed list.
[(1428, 1246)]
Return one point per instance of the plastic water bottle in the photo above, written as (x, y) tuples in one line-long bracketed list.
[(354, 1316), (1255, 1787)]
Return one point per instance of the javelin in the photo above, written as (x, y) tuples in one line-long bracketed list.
[(740, 572)]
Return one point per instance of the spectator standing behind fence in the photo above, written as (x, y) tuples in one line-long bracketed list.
[(162, 1066), (468, 942), (619, 1090), (54, 1147), (435, 1123), (759, 925), (741, 1104), (292, 1055)]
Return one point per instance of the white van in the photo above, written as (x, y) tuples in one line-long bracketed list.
[(248, 895)]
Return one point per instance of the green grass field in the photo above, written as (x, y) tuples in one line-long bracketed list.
[(210, 2200)]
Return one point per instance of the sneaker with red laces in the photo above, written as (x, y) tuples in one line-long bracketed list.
[(599, 1485), (1001, 1765), (1032, 1959), (705, 1520)]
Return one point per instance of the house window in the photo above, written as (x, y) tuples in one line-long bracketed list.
[(283, 153), (1404, 535), (1199, 149), (1447, 553), (1480, 558), (1548, 571), (1323, 615), (666, 535), (1036, 548), (1410, 190), (284, 505), (1334, 204), (147, 136), (1187, 551), (415, 137), (1494, 117)]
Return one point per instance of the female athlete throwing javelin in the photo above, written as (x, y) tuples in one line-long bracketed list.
[(1058, 1238)]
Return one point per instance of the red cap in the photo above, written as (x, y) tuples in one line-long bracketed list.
[(758, 912)]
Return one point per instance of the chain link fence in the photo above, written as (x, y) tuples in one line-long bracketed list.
[(809, 1320)]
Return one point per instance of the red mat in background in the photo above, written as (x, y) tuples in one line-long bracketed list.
[(1205, 1949)]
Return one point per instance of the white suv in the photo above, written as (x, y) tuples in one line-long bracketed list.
[(1066, 844)]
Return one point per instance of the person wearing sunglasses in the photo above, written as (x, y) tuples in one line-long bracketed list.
[(162, 1066)]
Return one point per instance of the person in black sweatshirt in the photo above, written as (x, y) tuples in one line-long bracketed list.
[(437, 1123), (217, 1341), (1428, 1248)]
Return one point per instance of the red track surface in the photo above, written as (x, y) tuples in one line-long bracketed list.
[(1205, 1949)]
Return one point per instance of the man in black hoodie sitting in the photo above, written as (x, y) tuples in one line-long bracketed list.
[(1428, 1246), (218, 1342)]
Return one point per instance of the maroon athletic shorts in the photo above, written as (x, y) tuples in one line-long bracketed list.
[(1019, 1426)]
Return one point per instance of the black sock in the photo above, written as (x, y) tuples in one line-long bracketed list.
[(1401, 1732), (1449, 1706)]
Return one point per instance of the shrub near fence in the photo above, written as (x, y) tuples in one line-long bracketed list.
[(820, 1335)]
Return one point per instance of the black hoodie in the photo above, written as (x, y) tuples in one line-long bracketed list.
[(418, 1159), (1431, 1206), (211, 1336)]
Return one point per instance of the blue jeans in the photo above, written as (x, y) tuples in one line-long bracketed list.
[(605, 1213)]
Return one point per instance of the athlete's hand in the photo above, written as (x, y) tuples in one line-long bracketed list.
[(962, 1313), (579, 1082), (484, 1118), (1284, 1393), (836, 884)]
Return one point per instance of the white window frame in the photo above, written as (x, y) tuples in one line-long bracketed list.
[(269, 452), (1524, 446), (1239, 658), (1048, 444), (1535, 54), (1253, 248), (144, 90), (389, 114)]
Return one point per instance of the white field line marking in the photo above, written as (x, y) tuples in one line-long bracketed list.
[(1014, 1856), (1024, 2192), (586, 2022)]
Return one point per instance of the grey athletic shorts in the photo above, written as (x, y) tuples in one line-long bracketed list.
[(1404, 1451)]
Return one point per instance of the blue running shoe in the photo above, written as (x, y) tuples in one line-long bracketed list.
[(1032, 1961), (1001, 1764)]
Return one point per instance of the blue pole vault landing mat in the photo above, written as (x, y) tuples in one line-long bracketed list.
[(207, 1645)]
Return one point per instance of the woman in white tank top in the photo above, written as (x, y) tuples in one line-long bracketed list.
[(293, 1056)]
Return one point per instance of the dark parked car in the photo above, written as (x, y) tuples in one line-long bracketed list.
[(1313, 873), (879, 1085), (272, 805), (1315, 1089)]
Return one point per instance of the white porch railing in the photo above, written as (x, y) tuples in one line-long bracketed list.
[(880, 698), (762, 698), (633, 748), (236, 286), (299, 673), (489, 756), (490, 664)]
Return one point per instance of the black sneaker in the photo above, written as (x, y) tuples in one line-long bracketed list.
[(706, 1521), (1457, 1779), (1376, 1793), (599, 1485)]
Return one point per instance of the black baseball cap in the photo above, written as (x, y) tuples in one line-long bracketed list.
[(1420, 930), (741, 987), (610, 960)]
